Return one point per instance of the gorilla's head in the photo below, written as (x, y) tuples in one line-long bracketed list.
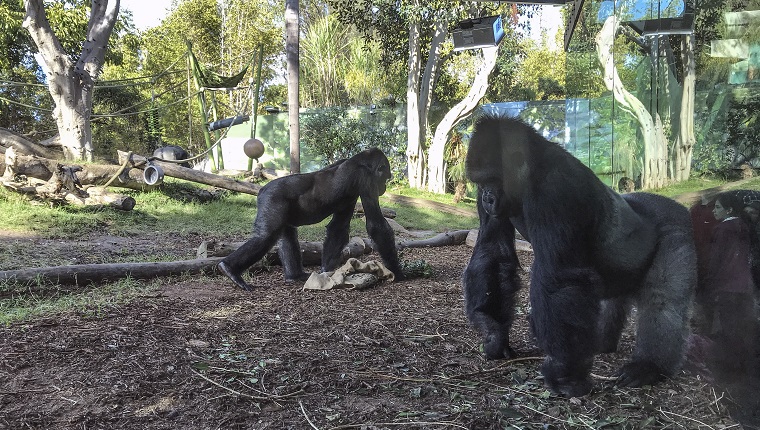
[(376, 162), (496, 162)]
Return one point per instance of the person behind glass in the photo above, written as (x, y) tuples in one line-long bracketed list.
[(702, 222), (752, 216), (727, 295)]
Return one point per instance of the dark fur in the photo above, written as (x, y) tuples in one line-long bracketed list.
[(596, 252), (292, 201)]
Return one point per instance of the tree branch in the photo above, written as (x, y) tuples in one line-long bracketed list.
[(38, 26)]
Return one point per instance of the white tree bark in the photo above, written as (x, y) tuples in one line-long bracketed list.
[(654, 171), (415, 153), (684, 145), (70, 83), (430, 76), (293, 64), (436, 159)]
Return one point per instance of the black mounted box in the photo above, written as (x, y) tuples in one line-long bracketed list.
[(478, 33)]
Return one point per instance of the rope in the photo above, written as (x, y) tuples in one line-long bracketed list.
[(119, 114), (121, 169), (25, 105), (152, 81)]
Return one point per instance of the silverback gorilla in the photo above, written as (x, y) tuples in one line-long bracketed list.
[(292, 201), (595, 254)]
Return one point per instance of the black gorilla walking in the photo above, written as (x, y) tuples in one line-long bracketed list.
[(292, 201), (596, 253)]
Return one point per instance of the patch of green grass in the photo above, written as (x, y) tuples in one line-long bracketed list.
[(154, 210), (693, 184), (422, 194), (37, 301)]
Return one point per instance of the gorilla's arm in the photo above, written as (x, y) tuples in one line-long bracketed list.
[(382, 234), (490, 280)]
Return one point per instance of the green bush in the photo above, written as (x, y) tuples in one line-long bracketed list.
[(334, 134)]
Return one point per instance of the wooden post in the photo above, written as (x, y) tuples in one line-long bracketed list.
[(202, 103)]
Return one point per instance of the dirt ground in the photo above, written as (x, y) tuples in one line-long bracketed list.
[(196, 353)]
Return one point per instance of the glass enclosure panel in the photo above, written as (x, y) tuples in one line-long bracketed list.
[(637, 132)]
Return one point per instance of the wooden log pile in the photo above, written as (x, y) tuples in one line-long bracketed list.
[(26, 167), (58, 183)]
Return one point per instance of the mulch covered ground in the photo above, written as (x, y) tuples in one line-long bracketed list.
[(197, 353)]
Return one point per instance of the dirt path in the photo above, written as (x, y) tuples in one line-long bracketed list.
[(199, 354)]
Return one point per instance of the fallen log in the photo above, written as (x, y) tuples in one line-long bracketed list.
[(520, 245), (98, 196), (82, 274), (91, 174), (10, 139), (450, 238), (311, 252), (179, 172)]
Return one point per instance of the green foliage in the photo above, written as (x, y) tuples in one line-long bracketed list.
[(542, 72), (416, 268), (338, 68), (333, 133)]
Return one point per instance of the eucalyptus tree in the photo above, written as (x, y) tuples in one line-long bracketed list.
[(415, 32), (667, 127), (71, 74)]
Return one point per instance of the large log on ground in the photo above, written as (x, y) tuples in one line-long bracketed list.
[(520, 245), (101, 196), (450, 238), (10, 139), (177, 171), (82, 274), (91, 174), (311, 252)]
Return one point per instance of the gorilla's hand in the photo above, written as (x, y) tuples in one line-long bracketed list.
[(561, 380)]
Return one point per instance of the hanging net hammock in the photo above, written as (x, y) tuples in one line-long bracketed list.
[(210, 79)]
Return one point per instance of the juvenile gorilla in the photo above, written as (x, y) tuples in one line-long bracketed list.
[(595, 253), (286, 203)]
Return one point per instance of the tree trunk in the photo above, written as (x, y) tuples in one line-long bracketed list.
[(654, 167), (684, 144), (450, 238), (414, 150), (91, 174), (98, 196), (429, 78), (292, 57), (71, 83), (436, 159), (132, 178)]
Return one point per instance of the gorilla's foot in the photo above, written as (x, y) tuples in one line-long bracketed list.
[(496, 348), (638, 374), (297, 277), (235, 277), (566, 380)]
